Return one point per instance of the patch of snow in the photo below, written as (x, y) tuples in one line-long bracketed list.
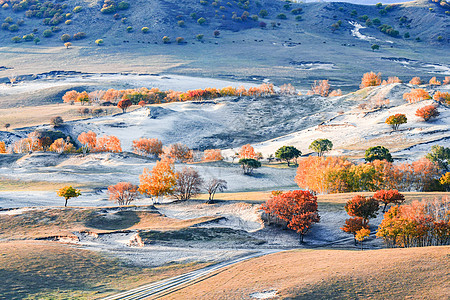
[(264, 295), (356, 32)]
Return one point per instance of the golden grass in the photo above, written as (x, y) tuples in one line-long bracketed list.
[(45, 270), (39, 115), (414, 273), (44, 223), (15, 185)]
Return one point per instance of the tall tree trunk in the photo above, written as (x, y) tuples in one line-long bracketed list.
[(65, 204)]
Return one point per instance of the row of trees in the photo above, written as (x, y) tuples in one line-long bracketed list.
[(155, 95), (374, 79)]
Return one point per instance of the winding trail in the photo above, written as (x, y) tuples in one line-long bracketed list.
[(167, 286)]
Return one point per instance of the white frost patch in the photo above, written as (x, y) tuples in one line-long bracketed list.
[(359, 35), (264, 295), (316, 66), (444, 70)]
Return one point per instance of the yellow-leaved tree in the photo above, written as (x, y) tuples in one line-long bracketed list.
[(160, 181)]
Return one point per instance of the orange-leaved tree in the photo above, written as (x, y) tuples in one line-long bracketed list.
[(70, 96), (2, 148), (160, 181), (212, 155), (416, 95), (247, 151), (353, 225), (389, 197), (360, 206), (434, 81), (320, 87), (148, 147), (61, 145), (427, 112), (123, 193), (88, 141), (124, 104), (370, 79), (297, 208), (108, 143), (179, 152), (442, 97), (415, 81)]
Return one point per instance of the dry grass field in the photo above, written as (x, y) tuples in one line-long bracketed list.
[(413, 273), (45, 223), (45, 270)]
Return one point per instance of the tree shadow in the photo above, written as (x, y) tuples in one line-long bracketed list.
[(114, 221)]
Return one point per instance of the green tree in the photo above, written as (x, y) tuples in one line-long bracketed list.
[(440, 155), (378, 152), (68, 192), (287, 153), (321, 146), (375, 47), (201, 21), (249, 164), (263, 13)]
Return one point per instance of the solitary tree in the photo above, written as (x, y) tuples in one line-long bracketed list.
[(370, 79), (214, 185), (124, 104), (287, 153), (396, 120), (440, 155), (378, 152), (360, 206), (248, 164), (68, 192), (247, 151), (375, 47), (321, 146), (297, 208), (189, 184), (179, 152), (427, 112), (56, 121), (123, 193), (389, 197)]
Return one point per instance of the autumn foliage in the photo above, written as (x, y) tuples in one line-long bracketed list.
[(320, 87), (362, 207), (62, 146), (424, 223), (415, 81), (247, 151), (370, 79), (338, 175), (391, 80), (179, 152), (297, 208), (88, 140), (124, 104), (123, 193), (353, 225), (427, 112), (212, 155), (108, 143), (416, 95), (160, 181), (389, 197), (443, 97), (148, 147), (434, 81), (396, 120), (2, 148)]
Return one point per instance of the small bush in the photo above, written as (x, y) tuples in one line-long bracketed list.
[(181, 23), (8, 20), (16, 39), (201, 21), (47, 33), (166, 40), (68, 22), (65, 37), (5, 26), (180, 40), (281, 16), (37, 41), (123, 5), (79, 35), (28, 37), (199, 37), (77, 9), (145, 29), (13, 28), (263, 13), (129, 29), (55, 29), (99, 42)]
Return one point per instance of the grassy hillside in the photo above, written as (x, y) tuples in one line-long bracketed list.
[(417, 273)]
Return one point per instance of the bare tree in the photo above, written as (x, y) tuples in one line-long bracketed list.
[(215, 185), (12, 79), (189, 184)]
